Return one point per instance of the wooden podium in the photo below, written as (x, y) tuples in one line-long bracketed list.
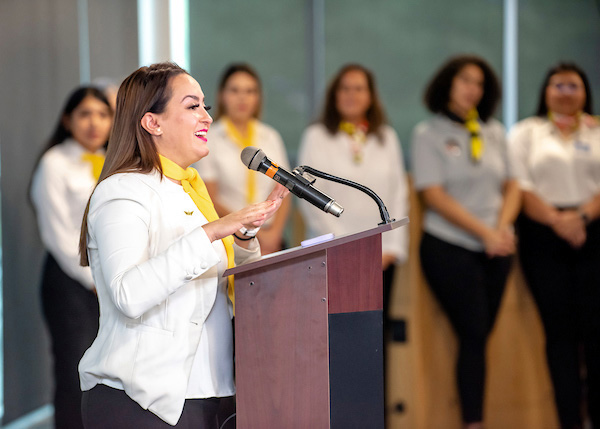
[(308, 336)]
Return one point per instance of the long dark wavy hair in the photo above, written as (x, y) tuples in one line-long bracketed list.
[(437, 94)]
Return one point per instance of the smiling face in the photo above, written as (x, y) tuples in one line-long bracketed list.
[(180, 131), (89, 123), (565, 93), (466, 90), (353, 97)]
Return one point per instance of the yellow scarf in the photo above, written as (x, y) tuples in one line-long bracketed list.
[(358, 135), (194, 186), (97, 162), (565, 123), (474, 128), (244, 142)]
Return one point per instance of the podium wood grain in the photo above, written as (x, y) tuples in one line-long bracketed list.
[(294, 380), (309, 336)]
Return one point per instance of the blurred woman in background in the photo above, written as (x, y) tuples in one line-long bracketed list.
[(352, 140), (556, 156), (461, 170), (62, 183), (237, 125)]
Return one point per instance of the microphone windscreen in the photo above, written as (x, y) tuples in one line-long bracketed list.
[(251, 157)]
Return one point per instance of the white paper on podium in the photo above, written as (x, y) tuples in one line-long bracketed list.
[(317, 240)]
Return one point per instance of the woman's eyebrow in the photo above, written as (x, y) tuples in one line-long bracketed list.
[(196, 98)]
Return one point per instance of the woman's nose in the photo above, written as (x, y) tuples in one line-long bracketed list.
[(94, 121), (206, 117)]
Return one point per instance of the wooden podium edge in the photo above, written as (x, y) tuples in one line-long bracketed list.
[(298, 251)]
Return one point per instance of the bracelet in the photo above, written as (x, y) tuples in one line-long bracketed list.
[(242, 238), (249, 232)]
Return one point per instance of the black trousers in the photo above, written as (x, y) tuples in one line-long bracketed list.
[(565, 284), (469, 287), (71, 313), (104, 407)]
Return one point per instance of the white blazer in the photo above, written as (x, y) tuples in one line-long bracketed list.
[(156, 275)]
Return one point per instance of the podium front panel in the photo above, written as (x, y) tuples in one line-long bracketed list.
[(355, 288), (356, 370), (309, 336), (355, 280), (282, 369)]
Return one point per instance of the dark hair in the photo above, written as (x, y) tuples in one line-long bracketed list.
[(131, 147), (230, 71), (437, 94), (331, 117), (61, 133), (564, 67)]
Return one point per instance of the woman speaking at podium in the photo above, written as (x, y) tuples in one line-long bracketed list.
[(157, 250)]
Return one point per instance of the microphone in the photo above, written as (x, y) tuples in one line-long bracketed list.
[(255, 159)]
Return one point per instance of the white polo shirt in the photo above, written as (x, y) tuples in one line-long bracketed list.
[(441, 156), (563, 172)]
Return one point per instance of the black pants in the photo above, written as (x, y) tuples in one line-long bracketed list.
[(71, 313), (565, 284), (469, 287), (104, 407)]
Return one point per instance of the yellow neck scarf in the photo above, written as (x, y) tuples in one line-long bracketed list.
[(195, 187), (97, 162), (244, 142), (473, 126), (565, 123), (358, 135)]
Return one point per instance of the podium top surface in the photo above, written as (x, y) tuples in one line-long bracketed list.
[(295, 252)]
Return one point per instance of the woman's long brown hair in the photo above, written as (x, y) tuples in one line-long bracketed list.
[(130, 146), (375, 114)]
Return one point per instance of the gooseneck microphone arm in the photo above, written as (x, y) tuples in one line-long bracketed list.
[(385, 216)]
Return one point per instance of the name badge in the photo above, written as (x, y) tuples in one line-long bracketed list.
[(453, 148), (582, 146)]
